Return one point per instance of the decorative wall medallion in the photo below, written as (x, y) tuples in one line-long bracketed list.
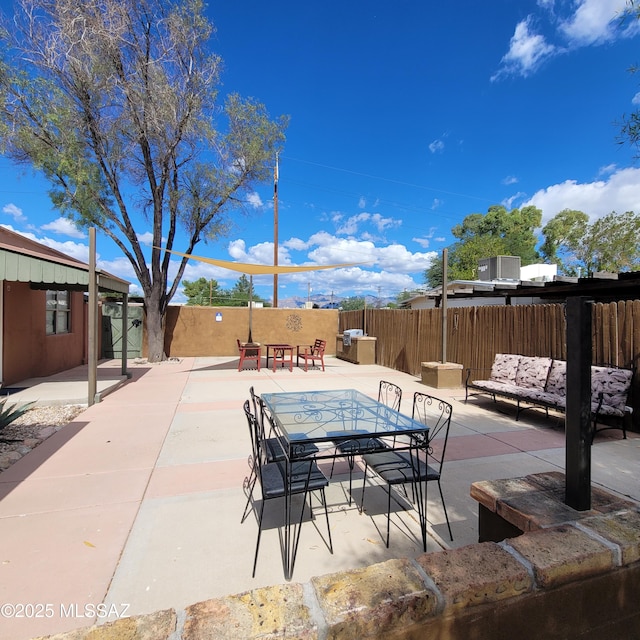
[(294, 322)]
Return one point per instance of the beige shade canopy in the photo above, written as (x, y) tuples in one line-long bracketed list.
[(262, 269)]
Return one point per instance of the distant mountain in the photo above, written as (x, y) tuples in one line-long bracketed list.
[(328, 301)]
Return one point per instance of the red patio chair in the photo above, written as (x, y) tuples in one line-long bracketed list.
[(249, 351), (314, 354)]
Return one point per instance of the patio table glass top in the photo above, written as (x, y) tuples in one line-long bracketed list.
[(334, 415)]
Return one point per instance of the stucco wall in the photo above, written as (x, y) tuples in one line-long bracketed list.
[(27, 351), (213, 331)]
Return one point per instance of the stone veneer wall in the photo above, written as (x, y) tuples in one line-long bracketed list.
[(573, 580)]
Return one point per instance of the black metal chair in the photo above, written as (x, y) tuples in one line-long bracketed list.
[(388, 394), (274, 445), (420, 463), (281, 479)]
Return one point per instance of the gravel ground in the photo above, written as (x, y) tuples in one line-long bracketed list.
[(31, 429)]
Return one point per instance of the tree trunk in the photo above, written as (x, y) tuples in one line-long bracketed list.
[(155, 334)]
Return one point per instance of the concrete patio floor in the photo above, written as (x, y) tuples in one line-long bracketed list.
[(137, 503)]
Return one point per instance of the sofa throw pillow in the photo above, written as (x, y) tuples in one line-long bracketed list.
[(533, 372), (614, 385), (557, 380), (505, 367)]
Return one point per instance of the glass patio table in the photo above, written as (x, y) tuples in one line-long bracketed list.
[(332, 417), (335, 416)]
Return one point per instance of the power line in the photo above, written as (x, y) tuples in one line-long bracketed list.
[(392, 180)]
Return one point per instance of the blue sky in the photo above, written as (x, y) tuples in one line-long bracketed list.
[(405, 118)]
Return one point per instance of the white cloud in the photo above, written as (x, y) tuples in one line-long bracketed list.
[(64, 226), (362, 203), (590, 23), (507, 203), (437, 146), (381, 223), (594, 22), (636, 99), (145, 238), (69, 248), (14, 211), (509, 180), (423, 242), (527, 51), (607, 170), (295, 244), (352, 225), (254, 200), (620, 192)]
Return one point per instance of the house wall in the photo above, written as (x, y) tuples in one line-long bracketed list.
[(214, 331), (27, 351)]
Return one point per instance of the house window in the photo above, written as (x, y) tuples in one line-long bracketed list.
[(58, 318)]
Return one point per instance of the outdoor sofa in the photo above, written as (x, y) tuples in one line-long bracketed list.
[(541, 382)]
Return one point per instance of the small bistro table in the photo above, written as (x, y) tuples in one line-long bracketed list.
[(280, 354)]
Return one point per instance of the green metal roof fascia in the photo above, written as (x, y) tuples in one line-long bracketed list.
[(16, 267)]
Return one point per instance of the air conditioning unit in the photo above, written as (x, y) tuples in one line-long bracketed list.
[(499, 268)]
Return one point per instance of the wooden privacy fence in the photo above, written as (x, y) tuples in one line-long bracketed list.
[(406, 338)]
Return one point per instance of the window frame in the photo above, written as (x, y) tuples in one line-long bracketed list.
[(57, 312)]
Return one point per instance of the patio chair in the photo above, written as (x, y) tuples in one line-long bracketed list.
[(249, 352), (314, 354), (274, 445), (283, 480), (420, 464), (388, 394)]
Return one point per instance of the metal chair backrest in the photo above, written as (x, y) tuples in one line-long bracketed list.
[(253, 430), (390, 394), (259, 456), (436, 414), (258, 410)]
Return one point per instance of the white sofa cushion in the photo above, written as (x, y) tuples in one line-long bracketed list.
[(533, 372), (505, 367), (614, 385)]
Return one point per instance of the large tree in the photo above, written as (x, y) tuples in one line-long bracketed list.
[(498, 232), (116, 103), (610, 243)]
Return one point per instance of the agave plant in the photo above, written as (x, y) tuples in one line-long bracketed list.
[(9, 413)]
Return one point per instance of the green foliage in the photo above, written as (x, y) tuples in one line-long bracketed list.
[(401, 297), (610, 243), (563, 236), (205, 293), (9, 413), (353, 303), (498, 232)]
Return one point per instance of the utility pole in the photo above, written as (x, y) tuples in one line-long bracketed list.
[(275, 232), (445, 261)]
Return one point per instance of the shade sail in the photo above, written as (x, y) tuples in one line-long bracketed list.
[(262, 269)]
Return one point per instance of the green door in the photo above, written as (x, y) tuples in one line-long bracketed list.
[(112, 330)]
